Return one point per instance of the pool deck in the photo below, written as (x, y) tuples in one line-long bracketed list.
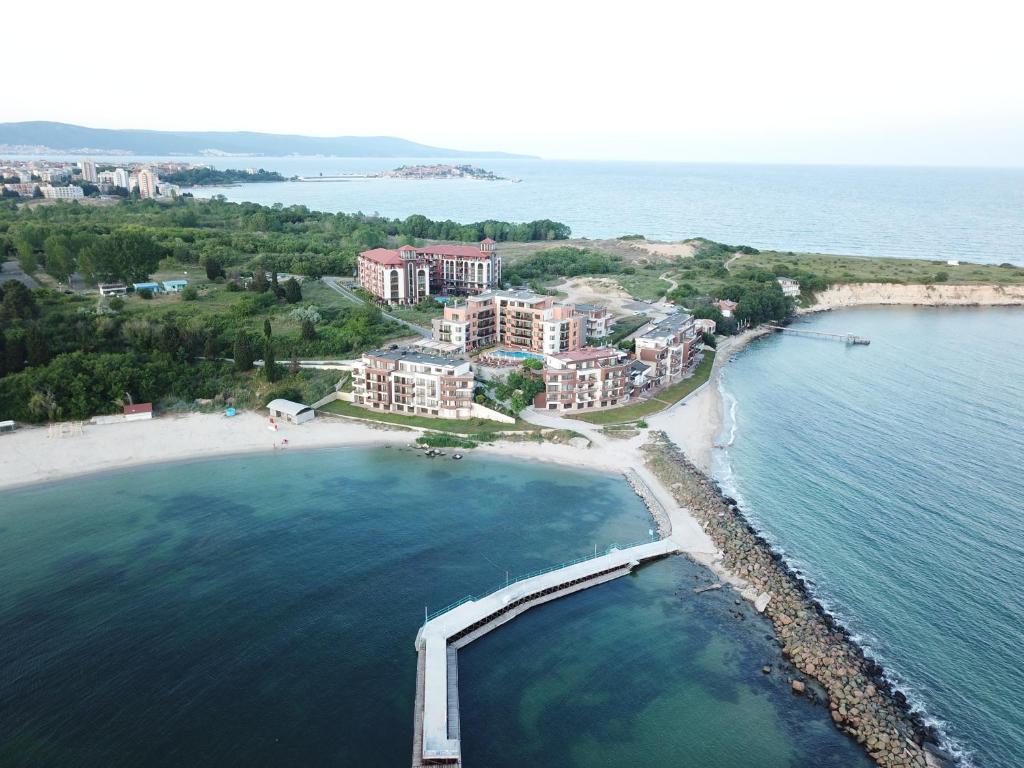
[(437, 738)]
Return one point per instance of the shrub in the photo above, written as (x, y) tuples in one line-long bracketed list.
[(116, 303), (444, 441), (189, 293), (941, 277), (145, 293), (232, 287)]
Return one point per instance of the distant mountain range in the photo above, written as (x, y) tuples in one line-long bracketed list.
[(42, 136)]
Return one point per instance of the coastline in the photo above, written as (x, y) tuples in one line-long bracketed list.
[(694, 422), (708, 525), (898, 294)]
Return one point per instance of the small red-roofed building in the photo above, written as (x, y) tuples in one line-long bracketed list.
[(138, 412)]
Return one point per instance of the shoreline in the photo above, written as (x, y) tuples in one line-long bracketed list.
[(761, 576), (693, 452), (849, 295), (865, 704)]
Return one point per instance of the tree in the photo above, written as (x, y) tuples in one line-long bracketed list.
[(210, 351), (307, 330), (293, 365), (243, 352), (18, 302), (214, 268), (292, 291), (60, 260), (14, 353), (133, 255), (259, 281), (267, 330), (37, 347), (270, 369)]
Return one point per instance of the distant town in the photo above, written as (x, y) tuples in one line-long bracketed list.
[(66, 180), (419, 172)]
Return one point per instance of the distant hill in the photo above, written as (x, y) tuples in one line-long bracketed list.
[(63, 137)]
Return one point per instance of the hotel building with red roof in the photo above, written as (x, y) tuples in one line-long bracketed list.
[(407, 275)]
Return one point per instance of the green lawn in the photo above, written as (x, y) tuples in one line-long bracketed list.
[(417, 314), (623, 327), (660, 402), (315, 292), (861, 269), (458, 426)]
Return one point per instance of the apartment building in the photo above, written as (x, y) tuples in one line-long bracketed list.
[(521, 320), (670, 346), (61, 193), (410, 382), (88, 171), (148, 182), (407, 275), (593, 377), (597, 321)]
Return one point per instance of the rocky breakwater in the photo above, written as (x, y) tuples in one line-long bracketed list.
[(863, 702)]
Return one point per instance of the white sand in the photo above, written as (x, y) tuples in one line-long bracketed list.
[(32, 455), (694, 422)]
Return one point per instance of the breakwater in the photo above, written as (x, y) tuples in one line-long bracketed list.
[(863, 702)]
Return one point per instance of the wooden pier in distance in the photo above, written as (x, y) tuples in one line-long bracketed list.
[(849, 338)]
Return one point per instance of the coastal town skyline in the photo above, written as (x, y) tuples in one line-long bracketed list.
[(734, 83)]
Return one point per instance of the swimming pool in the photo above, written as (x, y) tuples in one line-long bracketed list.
[(516, 354)]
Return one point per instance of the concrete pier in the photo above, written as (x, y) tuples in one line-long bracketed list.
[(436, 739)]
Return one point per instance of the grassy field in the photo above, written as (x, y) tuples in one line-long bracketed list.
[(644, 408), (315, 292), (644, 284), (625, 326), (458, 426), (417, 314), (862, 269)]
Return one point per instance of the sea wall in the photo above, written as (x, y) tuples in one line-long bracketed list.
[(862, 701), (941, 295)]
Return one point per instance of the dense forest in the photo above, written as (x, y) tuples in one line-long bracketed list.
[(73, 355), (125, 241), (209, 177)]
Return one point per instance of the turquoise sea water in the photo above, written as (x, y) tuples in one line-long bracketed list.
[(891, 476), (261, 611), (973, 214)]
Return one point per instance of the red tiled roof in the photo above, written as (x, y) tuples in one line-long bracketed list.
[(465, 251), (138, 408), (487, 240), (390, 257), (382, 256), (587, 353)]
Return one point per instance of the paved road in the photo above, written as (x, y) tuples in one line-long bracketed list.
[(335, 285), (11, 270)]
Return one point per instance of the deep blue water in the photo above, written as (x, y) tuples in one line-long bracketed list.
[(261, 611), (891, 475), (973, 214)]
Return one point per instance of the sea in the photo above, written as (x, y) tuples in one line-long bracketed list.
[(176, 612), (969, 214), (890, 476), (262, 610)]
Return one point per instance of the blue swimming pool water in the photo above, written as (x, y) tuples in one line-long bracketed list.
[(517, 354)]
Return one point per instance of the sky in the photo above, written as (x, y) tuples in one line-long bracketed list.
[(894, 82)]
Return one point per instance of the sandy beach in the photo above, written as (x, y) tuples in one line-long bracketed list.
[(694, 422)]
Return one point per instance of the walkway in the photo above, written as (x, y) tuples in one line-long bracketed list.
[(437, 738), (335, 285)]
